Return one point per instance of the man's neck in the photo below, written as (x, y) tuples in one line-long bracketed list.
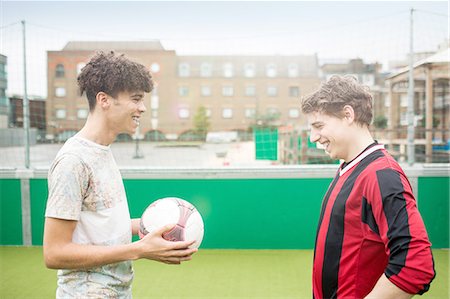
[(96, 131), (361, 142)]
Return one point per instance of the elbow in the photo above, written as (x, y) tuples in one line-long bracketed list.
[(415, 278), (51, 259), (50, 262)]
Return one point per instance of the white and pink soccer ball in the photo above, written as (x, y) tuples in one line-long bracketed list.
[(173, 210)]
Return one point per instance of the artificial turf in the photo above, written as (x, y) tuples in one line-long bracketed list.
[(211, 274)]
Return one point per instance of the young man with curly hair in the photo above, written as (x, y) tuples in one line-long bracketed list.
[(371, 240), (88, 230)]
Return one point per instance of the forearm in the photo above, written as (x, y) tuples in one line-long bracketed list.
[(135, 225), (78, 256), (60, 252), (387, 290)]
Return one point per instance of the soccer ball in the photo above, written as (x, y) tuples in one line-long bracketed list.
[(173, 210)]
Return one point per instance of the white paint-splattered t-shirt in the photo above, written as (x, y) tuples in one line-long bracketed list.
[(85, 185)]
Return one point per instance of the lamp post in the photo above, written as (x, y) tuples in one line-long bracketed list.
[(410, 111), (137, 151)]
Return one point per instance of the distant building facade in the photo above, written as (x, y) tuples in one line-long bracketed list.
[(431, 102), (37, 112), (368, 74), (4, 106), (235, 90)]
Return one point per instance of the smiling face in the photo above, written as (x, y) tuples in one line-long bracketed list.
[(125, 112), (333, 133)]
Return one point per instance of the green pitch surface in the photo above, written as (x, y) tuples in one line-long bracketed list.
[(211, 274)]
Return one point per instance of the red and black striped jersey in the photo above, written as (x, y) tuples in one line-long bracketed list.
[(370, 225)]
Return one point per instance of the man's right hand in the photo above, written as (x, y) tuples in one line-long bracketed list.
[(154, 247)]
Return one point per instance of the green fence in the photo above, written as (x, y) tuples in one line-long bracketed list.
[(266, 143), (241, 213)]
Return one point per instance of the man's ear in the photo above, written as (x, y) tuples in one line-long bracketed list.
[(349, 114), (103, 100)]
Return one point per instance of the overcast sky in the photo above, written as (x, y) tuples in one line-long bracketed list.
[(375, 31)]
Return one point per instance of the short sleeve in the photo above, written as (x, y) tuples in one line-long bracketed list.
[(67, 181)]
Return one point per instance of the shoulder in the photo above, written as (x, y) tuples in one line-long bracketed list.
[(67, 162), (385, 176), (71, 156), (384, 163), (383, 169)]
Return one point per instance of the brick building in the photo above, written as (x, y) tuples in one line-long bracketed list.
[(235, 90)]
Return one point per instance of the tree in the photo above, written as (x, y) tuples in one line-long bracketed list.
[(201, 123), (268, 120), (380, 122), (436, 121)]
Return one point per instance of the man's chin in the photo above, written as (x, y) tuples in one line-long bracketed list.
[(331, 155), (132, 130)]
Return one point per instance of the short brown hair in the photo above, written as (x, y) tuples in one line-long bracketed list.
[(112, 73), (337, 92)]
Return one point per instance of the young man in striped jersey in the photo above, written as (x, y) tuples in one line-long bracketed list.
[(371, 240)]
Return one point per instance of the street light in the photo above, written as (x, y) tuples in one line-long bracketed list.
[(137, 152)]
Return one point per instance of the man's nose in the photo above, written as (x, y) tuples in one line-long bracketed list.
[(142, 107), (314, 136)]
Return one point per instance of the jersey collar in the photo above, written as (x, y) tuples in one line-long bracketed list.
[(359, 158)]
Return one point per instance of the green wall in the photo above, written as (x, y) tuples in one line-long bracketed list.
[(433, 201), (243, 213), (38, 201), (10, 212), (238, 213)]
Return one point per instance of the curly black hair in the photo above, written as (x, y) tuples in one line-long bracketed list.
[(112, 73)]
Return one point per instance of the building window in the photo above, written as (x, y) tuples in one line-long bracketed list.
[(250, 112), (228, 70), (205, 91), (294, 113), (249, 70), (403, 100), (3, 100), (80, 66), (183, 91), (292, 70), (60, 113), (387, 101), (272, 91), (368, 79), (208, 112), (206, 69), (184, 70), (272, 111), (59, 73), (404, 118), (294, 91), (227, 91), (60, 92), (82, 113), (2, 70), (271, 70), (154, 102), (227, 113), (250, 90), (183, 113)]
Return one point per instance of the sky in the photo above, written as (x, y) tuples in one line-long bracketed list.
[(375, 31)]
